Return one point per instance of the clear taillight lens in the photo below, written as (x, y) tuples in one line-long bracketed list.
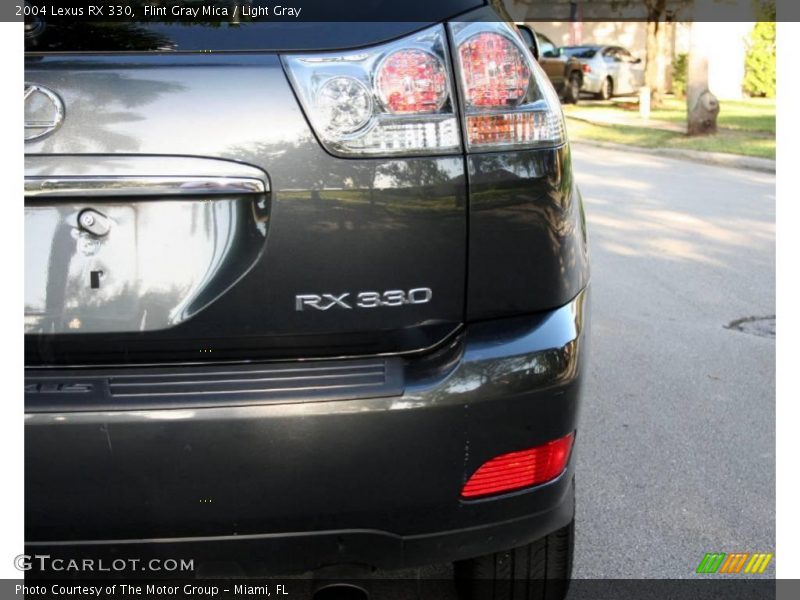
[(507, 100), (344, 105), (391, 99)]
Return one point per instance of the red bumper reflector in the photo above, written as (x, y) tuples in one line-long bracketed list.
[(517, 470)]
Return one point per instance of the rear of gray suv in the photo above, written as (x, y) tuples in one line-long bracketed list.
[(302, 297)]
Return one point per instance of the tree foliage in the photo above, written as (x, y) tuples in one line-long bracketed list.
[(658, 13), (760, 79), (680, 74)]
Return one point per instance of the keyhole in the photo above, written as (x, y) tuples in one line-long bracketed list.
[(94, 279)]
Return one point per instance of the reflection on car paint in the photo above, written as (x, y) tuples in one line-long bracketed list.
[(157, 266)]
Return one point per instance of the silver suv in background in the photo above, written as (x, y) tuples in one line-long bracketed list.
[(608, 70)]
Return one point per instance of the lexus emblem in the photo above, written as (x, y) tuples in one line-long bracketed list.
[(44, 111)]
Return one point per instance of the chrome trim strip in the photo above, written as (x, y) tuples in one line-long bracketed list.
[(142, 186)]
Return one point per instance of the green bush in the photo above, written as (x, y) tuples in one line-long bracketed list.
[(680, 69), (759, 78)]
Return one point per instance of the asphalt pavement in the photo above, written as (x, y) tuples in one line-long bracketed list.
[(676, 453)]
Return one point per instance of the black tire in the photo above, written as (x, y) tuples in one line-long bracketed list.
[(607, 89), (572, 89), (541, 571)]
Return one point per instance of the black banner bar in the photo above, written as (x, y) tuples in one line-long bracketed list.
[(312, 11)]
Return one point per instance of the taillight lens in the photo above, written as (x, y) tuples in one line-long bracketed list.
[(517, 470), (494, 71), (508, 129), (345, 105), (412, 82), (587, 69), (507, 100), (391, 99), (398, 98)]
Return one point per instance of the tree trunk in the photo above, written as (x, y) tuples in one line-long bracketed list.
[(655, 74), (664, 58), (652, 63), (701, 104)]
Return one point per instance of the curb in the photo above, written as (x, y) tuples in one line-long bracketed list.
[(719, 159)]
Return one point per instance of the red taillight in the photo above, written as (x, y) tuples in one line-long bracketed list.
[(412, 81), (507, 100), (494, 71), (516, 470), (587, 69)]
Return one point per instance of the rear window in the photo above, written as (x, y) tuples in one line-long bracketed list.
[(580, 51)]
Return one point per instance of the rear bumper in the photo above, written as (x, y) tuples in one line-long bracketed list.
[(295, 486)]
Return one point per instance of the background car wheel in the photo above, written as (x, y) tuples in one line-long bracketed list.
[(573, 89), (607, 89), (540, 570)]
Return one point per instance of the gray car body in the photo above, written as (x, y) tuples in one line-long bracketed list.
[(200, 379)]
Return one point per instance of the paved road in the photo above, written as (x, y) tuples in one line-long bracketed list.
[(676, 454)]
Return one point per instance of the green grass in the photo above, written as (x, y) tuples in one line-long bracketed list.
[(731, 141), (756, 115)]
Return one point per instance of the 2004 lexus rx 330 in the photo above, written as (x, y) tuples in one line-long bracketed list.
[(303, 296)]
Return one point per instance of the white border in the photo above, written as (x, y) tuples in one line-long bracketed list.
[(11, 298), (788, 301), (787, 554)]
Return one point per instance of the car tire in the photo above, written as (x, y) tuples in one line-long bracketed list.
[(606, 89), (572, 90), (539, 570)]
